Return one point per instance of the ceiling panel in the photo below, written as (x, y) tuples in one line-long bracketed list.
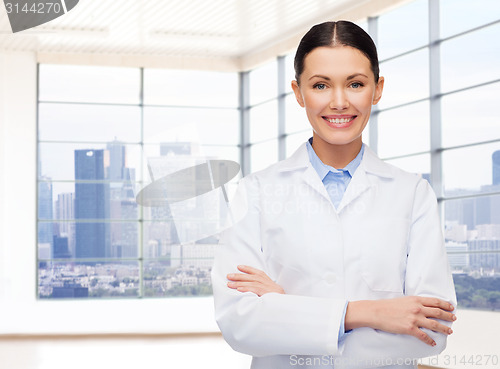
[(220, 29)]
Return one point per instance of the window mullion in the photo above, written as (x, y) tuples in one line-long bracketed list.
[(244, 107), (140, 226), (435, 99)]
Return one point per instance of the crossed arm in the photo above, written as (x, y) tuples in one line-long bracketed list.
[(403, 315), (251, 307)]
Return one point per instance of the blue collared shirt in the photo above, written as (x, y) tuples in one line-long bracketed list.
[(336, 182)]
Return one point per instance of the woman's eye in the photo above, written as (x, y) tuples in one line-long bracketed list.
[(320, 86), (356, 85)]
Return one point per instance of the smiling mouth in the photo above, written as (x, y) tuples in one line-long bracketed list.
[(340, 120)]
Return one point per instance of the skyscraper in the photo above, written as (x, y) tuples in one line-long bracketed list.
[(122, 204), (117, 160), (65, 213), (495, 158), (60, 249), (91, 199), (45, 229)]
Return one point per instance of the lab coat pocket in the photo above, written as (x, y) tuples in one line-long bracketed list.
[(383, 261)]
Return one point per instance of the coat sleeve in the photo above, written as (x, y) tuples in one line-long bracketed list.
[(273, 324), (427, 274)]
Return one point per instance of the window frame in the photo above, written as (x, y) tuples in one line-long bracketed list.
[(140, 141), (435, 95)]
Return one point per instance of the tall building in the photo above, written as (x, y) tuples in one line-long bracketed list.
[(457, 254), (188, 226), (60, 249), (495, 200), (117, 161), (91, 199), (474, 211), (65, 213), (495, 158), (163, 230), (122, 204), (45, 212), (485, 254)]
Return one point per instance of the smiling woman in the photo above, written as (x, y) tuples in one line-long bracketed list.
[(341, 97), (325, 267)]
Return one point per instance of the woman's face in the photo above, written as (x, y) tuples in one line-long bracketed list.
[(337, 89)]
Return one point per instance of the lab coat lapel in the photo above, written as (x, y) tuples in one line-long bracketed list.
[(311, 178), (300, 161), (359, 184)]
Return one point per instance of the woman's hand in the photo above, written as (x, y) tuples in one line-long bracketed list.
[(252, 280), (403, 315)]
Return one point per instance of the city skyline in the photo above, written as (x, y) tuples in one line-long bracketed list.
[(98, 225), (104, 191)]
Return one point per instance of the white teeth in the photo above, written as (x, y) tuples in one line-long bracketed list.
[(340, 120)]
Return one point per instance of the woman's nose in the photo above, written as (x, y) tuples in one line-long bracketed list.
[(338, 100)]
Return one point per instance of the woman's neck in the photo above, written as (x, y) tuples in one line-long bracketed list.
[(337, 156)]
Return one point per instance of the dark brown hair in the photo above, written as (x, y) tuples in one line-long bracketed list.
[(332, 34)]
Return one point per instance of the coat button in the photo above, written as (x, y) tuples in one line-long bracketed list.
[(330, 278)]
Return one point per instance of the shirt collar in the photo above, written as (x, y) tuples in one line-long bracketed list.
[(322, 169), (370, 163)]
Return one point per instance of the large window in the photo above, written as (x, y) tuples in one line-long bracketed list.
[(109, 134), (471, 148), (438, 117), (104, 135)]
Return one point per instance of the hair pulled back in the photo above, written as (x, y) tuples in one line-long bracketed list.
[(336, 34)]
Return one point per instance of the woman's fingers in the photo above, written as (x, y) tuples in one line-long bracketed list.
[(435, 326), (252, 280), (247, 287), (405, 315), (422, 336), (250, 284), (436, 303), (432, 325), (241, 277), (439, 314), (247, 284), (248, 269), (256, 287)]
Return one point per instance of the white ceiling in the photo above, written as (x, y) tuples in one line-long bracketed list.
[(236, 34)]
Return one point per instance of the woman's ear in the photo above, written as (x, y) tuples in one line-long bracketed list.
[(378, 91), (298, 94)]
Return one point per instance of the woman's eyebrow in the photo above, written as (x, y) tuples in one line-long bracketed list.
[(352, 76), (320, 76)]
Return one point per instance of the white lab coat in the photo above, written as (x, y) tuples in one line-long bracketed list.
[(383, 241)]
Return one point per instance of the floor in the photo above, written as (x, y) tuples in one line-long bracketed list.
[(473, 345), (122, 353)]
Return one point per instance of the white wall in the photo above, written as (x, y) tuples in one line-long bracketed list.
[(18, 238), (17, 173)]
